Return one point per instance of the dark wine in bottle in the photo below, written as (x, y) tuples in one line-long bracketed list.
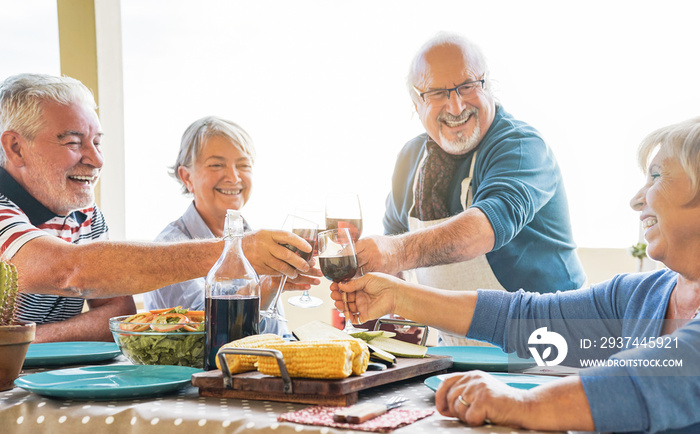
[(230, 317)]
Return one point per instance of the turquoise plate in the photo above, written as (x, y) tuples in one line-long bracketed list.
[(519, 381), (69, 353), (108, 382), (490, 359)]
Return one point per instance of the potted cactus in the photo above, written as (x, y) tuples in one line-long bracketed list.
[(15, 336)]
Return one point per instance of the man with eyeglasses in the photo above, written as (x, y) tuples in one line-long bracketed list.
[(478, 200)]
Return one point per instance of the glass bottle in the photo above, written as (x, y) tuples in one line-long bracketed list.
[(232, 294)]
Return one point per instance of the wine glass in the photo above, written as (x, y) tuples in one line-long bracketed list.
[(338, 261), (343, 211), (307, 230), (315, 215)]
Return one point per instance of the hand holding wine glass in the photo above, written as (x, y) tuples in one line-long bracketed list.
[(307, 230), (338, 262), (374, 295)]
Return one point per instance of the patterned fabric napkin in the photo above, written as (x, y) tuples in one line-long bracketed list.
[(323, 416)]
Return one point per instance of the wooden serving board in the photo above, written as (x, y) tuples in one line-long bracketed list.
[(254, 385)]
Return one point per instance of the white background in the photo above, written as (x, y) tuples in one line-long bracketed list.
[(319, 85)]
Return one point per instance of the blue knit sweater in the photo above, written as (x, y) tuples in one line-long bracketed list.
[(610, 321), (518, 185)]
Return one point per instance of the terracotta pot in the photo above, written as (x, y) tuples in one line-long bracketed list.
[(14, 342)]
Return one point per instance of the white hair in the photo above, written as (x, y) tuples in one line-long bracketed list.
[(202, 130), (683, 142), (21, 98), (471, 51)]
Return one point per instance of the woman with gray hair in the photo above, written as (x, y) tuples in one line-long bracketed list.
[(636, 337), (215, 166)]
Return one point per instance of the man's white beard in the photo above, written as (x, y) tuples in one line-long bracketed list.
[(461, 144)]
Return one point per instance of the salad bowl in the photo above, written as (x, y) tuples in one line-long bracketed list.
[(170, 337)]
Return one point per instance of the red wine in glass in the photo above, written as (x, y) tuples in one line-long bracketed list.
[(338, 268), (338, 260), (354, 225), (305, 229), (309, 235), (314, 214), (343, 211)]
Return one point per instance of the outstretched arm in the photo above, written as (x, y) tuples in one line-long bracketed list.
[(374, 295), (460, 238), (48, 265)]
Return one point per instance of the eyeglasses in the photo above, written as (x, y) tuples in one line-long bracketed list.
[(442, 95)]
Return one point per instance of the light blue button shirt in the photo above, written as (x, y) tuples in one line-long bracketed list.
[(190, 294)]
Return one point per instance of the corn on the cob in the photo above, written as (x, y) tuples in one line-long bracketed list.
[(241, 363), (360, 359), (311, 359)]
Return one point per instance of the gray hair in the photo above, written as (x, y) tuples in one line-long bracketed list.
[(199, 132), (683, 142), (470, 50), (21, 97)]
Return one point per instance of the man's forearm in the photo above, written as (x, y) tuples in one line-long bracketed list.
[(74, 329), (92, 325), (103, 269), (147, 266), (107, 269), (460, 238)]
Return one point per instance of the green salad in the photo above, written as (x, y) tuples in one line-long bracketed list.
[(185, 349), (162, 337)]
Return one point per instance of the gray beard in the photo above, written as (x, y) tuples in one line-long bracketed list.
[(462, 144)]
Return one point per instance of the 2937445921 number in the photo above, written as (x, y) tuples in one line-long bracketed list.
[(620, 342)]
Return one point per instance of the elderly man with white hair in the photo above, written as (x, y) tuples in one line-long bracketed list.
[(478, 200)]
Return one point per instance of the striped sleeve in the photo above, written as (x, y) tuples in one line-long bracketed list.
[(43, 309), (15, 229)]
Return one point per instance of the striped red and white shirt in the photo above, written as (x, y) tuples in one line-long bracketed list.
[(23, 218)]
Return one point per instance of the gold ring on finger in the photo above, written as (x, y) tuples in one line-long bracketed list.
[(465, 403)]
